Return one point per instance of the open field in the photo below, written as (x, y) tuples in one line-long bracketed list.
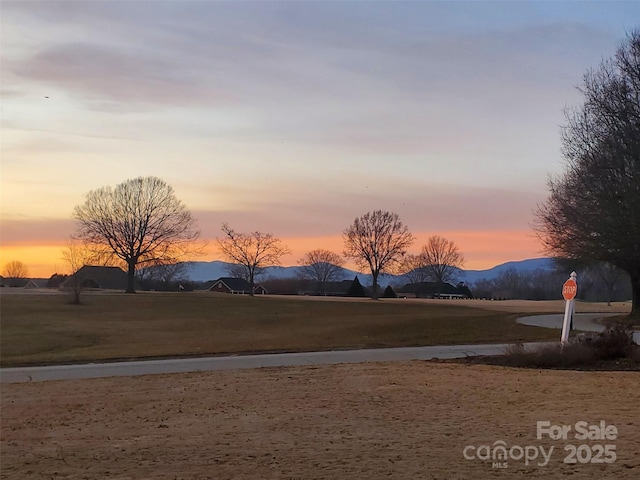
[(359, 421), (365, 421), (40, 329)]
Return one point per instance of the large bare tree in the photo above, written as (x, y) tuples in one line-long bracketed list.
[(254, 251), (441, 259), (377, 240), (15, 269), (140, 222), (321, 266), (593, 211)]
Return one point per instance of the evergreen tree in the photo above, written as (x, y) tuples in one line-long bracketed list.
[(356, 289), (389, 293)]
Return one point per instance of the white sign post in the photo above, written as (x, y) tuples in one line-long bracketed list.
[(569, 290)]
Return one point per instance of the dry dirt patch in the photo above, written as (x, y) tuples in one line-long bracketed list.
[(366, 421)]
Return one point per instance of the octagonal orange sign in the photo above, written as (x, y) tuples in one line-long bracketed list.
[(569, 289)]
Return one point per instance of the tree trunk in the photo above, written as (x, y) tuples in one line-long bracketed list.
[(635, 292), (251, 284), (76, 288), (374, 275), (131, 277), (76, 295), (439, 288)]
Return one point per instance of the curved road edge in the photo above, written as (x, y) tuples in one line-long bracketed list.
[(182, 365), (585, 322)]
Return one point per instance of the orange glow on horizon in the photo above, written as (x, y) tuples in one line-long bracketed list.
[(42, 261), (486, 249), (481, 250)]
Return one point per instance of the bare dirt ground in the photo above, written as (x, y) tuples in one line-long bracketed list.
[(408, 420)]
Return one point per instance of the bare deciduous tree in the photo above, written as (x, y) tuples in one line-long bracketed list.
[(237, 270), (162, 275), (76, 255), (441, 259), (606, 274), (140, 222), (377, 240), (321, 266), (592, 211), (15, 269), (413, 269), (254, 251)]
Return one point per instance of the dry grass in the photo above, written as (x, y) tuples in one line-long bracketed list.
[(360, 421), (366, 421), (611, 349), (528, 307), (46, 329)]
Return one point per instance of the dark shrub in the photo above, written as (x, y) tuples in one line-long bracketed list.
[(616, 341), (549, 356), (389, 293), (356, 289)]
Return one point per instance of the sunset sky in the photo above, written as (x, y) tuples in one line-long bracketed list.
[(295, 117)]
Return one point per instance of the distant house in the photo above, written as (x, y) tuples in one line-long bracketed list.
[(21, 282), (237, 286), (329, 289), (56, 280), (33, 283), (435, 290), (90, 276)]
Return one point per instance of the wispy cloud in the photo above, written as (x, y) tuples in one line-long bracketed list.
[(31, 231), (100, 73), (296, 117), (307, 211)]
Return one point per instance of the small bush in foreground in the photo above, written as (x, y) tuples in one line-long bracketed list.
[(549, 356), (586, 350), (614, 342)]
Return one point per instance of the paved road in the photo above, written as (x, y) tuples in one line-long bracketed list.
[(146, 367), (586, 322)]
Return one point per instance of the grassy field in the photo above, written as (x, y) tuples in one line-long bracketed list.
[(39, 328)]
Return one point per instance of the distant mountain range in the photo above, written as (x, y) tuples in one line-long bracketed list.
[(204, 271), (522, 266)]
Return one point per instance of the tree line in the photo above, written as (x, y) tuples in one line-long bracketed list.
[(600, 282), (142, 223), (592, 214)]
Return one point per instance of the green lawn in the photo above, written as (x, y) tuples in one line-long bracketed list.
[(40, 329)]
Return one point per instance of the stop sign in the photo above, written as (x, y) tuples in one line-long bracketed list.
[(569, 289)]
